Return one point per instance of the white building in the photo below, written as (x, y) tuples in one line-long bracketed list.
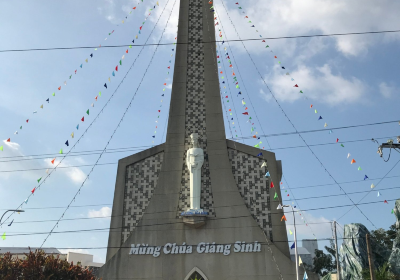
[(83, 260)]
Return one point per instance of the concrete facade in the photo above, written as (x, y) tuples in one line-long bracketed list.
[(243, 213)]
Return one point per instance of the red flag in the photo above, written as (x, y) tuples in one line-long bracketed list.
[(353, 161), (126, 51), (8, 140), (52, 162), (272, 185), (386, 202), (83, 119), (165, 84), (134, 8), (169, 67), (245, 113), (284, 218), (159, 111), (116, 68), (27, 120), (296, 85), (32, 191), (337, 140), (59, 88), (95, 98), (254, 136)]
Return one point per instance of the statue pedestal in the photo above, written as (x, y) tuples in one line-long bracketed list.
[(194, 219)]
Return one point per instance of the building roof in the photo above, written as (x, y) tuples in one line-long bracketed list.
[(22, 250), (300, 251)]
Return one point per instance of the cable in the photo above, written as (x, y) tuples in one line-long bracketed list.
[(87, 129), (255, 112), (122, 118), (290, 121), (141, 148), (371, 189), (235, 40), (234, 217)]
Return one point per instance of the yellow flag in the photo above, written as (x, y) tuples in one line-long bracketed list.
[(41, 106), (290, 232), (72, 135), (300, 261), (86, 60)]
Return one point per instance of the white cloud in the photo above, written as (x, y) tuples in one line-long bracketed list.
[(103, 212), (293, 17), (319, 84), (386, 91), (320, 226), (76, 175), (13, 145)]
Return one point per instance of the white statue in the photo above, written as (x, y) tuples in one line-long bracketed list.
[(194, 162)]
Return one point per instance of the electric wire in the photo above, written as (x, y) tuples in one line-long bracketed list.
[(87, 129), (123, 116), (290, 121), (255, 112), (234, 40), (369, 191), (141, 148)]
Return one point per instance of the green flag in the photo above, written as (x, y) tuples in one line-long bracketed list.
[(99, 93), (39, 179), (276, 196), (1, 148), (54, 94), (4, 236), (61, 151), (87, 112)]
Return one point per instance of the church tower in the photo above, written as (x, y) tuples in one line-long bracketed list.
[(239, 234)]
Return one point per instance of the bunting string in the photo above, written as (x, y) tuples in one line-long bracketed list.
[(120, 121), (287, 117), (29, 119), (350, 157), (43, 179)]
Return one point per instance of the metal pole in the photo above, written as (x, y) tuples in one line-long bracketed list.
[(370, 259), (337, 254), (295, 245)]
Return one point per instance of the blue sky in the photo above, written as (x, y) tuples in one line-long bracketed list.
[(350, 80)]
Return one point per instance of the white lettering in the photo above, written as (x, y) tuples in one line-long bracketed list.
[(257, 247), (157, 251), (236, 247), (189, 249), (134, 249), (212, 248), (182, 249), (175, 249), (200, 247), (167, 248), (227, 250)]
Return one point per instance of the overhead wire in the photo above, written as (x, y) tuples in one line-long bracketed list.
[(290, 121), (141, 148), (255, 112), (84, 133), (123, 116), (369, 191), (234, 40)]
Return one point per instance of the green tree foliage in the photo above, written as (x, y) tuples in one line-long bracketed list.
[(381, 273), (384, 238), (38, 266), (324, 263)]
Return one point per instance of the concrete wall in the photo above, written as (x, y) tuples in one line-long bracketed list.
[(232, 221)]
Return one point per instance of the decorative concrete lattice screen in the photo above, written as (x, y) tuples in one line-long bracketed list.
[(140, 182), (196, 111), (253, 186)]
